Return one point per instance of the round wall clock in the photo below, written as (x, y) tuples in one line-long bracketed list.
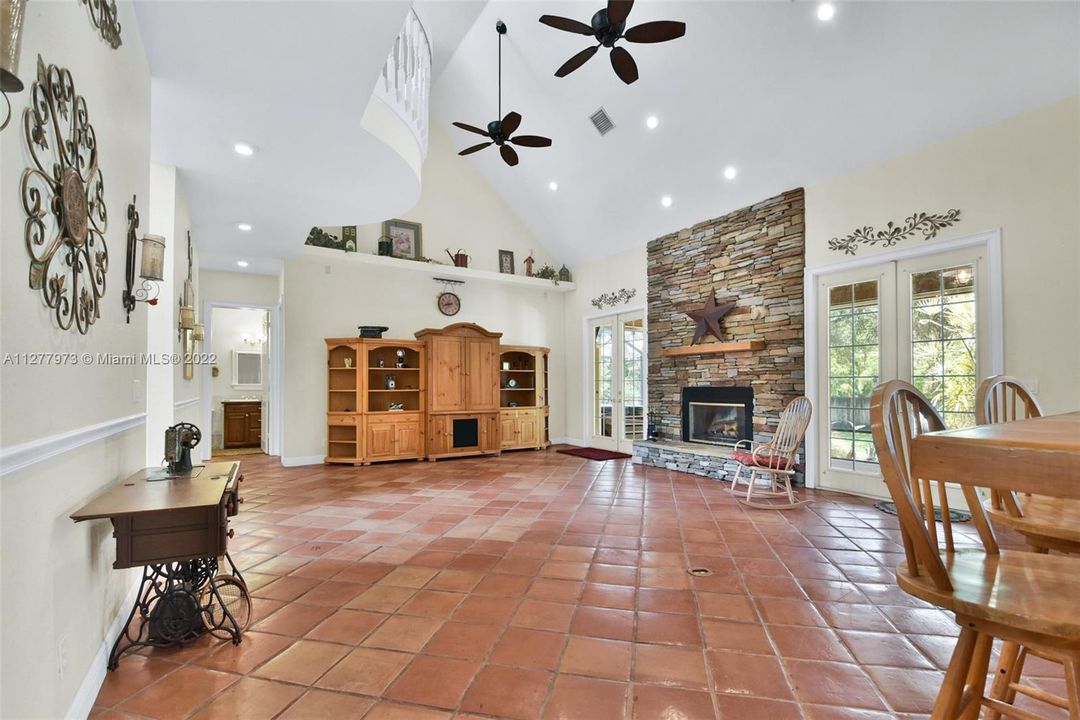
[(449, 303)]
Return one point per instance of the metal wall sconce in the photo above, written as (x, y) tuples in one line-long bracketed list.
[(151, 270), (12, 13), (188, 330)]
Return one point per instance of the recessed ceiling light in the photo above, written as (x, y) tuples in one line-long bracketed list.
[(243, 149), (553, 186), (825, 11), (243, 227), (242, 263), (652, 122), (666, 201), (730, 172)]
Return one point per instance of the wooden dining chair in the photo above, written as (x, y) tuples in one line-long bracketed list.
[(1022, 597), (773, 461), (1045, 523)]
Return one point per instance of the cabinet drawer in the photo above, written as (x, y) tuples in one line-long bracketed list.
[(343, 419)]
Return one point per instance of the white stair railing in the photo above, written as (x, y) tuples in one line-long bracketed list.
[(405, 82)]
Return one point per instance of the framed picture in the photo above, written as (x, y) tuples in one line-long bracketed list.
[(406, 238), (506, 262)]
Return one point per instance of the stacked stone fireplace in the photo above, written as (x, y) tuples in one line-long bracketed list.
[(753, 257)]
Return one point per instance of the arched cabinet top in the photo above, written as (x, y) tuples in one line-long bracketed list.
[(463, 329)]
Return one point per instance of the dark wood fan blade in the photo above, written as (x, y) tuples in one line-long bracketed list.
[(566, 24), (470, 128), (509, 123), (654, 32), (474, 148), (624, 65), (619, 10), (531, 141), (509, 155), (577, 61)]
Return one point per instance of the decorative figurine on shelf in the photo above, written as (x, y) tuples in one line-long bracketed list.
[(386, 246), (513, 403), (380, 363), (511, 383), (564, 274), (400, 359), (528, 264), (348, 362), (397, 407), (391, 382), (460, 258)]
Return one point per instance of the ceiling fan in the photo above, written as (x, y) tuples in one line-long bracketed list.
[(608, 25), (502, 131)]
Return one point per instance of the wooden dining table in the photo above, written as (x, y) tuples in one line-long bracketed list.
[(1038, 455)]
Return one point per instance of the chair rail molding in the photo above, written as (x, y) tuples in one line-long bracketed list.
[(29, 453), (181, 404), (405, 82)]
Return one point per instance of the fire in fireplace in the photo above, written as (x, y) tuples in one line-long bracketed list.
[(717, 415)]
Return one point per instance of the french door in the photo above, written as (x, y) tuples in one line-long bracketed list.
[(617, 377), (924, 320)]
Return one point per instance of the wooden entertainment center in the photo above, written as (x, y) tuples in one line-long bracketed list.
[(451, 392)]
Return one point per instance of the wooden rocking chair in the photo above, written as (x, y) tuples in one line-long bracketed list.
[(773, 461), (1024, 598)]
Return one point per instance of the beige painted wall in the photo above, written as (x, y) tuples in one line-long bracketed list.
[(1022, 176), (622, 270), (329, 296), (58, 584), (238, 287), (458, 209)]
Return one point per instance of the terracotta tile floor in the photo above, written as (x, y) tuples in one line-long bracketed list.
[(538, 585)]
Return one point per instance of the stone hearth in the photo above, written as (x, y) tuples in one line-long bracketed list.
[(753, 257)]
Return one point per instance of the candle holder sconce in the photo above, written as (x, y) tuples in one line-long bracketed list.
[(151, 269)]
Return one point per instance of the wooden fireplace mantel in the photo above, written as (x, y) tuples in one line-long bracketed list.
[(713, 348)]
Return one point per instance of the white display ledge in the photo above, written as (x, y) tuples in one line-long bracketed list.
[(434, 270)]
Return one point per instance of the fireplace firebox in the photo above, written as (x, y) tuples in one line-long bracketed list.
[(717, 415)]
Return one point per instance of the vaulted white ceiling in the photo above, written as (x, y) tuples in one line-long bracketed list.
[(763, 86), (292, 79)]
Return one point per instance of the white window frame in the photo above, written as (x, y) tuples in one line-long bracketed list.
[(990, 243)]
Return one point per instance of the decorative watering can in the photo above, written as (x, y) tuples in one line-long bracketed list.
[(460, 258)]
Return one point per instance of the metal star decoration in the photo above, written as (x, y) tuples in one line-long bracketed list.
[(708, 319)]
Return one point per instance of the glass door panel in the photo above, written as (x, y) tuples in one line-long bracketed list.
[(633, 381), (617, 368), (856, 351), (603, 391)]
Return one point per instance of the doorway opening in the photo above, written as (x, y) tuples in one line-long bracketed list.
[(239, 340)]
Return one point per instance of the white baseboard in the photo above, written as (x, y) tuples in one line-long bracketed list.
[(298, 460), (569, 441), (16, 457), (83, 702)]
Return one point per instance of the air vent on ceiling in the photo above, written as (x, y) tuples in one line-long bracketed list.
[(601, 121)]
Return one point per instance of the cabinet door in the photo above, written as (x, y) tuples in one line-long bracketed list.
[(234, 428), (489, 433), (447, 358), (528, 429), (483, 374), (407, 438), (508, 429), (380, 439)]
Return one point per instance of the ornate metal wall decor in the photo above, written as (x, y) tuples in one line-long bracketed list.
[(63, 195), (621, 297), (927, 224), (103, 16)]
